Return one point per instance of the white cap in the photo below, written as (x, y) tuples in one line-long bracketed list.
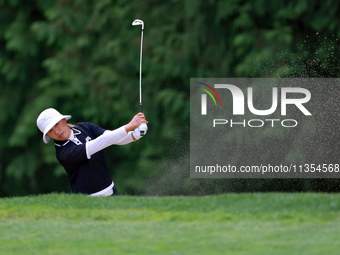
[(47, 119)]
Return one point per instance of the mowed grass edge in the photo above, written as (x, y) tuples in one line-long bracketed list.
[(267, 223)]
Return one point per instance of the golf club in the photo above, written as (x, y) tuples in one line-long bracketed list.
[(143, 126)]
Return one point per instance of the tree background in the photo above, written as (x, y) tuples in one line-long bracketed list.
[(82, 58)]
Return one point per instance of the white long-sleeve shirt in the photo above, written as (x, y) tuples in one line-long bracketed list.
[(118, 136)]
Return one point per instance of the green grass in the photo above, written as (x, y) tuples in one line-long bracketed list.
[(273, 223)]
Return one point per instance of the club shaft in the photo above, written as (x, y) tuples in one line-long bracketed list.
[(140, 73)]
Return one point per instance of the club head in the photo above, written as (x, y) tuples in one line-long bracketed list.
[(138, 22)]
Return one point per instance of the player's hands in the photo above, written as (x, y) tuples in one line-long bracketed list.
[(143, 128), (136, 121), (137, 133)]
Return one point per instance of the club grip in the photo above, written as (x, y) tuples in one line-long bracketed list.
[(142, 133)]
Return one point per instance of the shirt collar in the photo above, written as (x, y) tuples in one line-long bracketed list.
[(76, 131), (72, 138)]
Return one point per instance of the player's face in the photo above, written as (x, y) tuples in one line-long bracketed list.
[(60, 131)]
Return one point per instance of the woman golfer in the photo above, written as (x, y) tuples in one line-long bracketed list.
[(79, 149)]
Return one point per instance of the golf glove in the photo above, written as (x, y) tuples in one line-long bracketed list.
[(140, 131)]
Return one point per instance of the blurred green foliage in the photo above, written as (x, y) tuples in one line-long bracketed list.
[(82, 58)]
